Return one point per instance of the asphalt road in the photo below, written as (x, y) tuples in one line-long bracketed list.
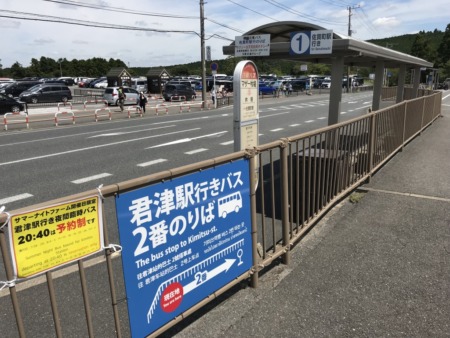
[(48, 163)]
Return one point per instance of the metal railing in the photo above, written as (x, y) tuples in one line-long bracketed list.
[(298, 180)]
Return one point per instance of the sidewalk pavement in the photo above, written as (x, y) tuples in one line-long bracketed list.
[(376, 268)]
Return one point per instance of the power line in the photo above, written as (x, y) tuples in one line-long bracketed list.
[(252, 10), (120, 10), (290, 10), (53, 19)]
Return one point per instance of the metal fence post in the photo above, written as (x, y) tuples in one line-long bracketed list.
[(371, 152), (253, 186), (12, 290), (285, 200)]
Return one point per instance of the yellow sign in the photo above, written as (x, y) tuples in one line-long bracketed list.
[(43, 239)]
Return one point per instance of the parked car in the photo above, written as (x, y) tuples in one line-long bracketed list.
[(92, 83), (85, 82), (325, 84), (101, 84), (47, 92), (14, 89), (10, 105), (264, 88), (69, 81), (300, 85), (111, 95), (178, 91), (139, 84)]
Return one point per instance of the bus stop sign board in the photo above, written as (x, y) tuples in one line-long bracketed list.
[(182, 240)]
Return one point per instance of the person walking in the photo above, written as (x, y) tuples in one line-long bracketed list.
[(122, 98), (213, 96), (142, 101)]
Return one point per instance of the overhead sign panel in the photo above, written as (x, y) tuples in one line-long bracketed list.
[(311, 42), (252, 45)]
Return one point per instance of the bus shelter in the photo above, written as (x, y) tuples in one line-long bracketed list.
[(285, 43)]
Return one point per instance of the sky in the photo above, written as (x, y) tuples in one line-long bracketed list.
[(163, 33)]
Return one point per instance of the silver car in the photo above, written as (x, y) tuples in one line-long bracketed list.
[(111, 95)]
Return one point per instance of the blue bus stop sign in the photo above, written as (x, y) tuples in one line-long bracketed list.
[(182, 240), (214, 66)]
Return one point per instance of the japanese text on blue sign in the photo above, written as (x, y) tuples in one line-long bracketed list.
[(183, 240)]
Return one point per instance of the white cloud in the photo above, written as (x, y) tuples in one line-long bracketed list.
[(386, 23)]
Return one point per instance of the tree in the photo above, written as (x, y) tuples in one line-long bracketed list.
[(421, 47), (443, 50), (17, 71)]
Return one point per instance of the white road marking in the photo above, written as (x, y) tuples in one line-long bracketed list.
[(367, 102), (94, 147), (146, 164), (295, 125), (227, 143), (195, 151), (321, 118), (185, 140), (343, 112), (91, 178), (14, 198), (277, 129), (283, 113), (309, 121)]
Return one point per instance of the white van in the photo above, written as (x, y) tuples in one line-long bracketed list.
[(140, 84)]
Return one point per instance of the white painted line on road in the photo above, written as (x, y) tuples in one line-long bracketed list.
[(185, 140), (73, 135), (283, 113), (350, 102), (284, 107), (321, 118), (295, 125), (343, 112), (146, 164), (195, 151), (277, 129), (227, 143), (309, 121), (94, 147), (367, 102), (14, 198), (91, 178)]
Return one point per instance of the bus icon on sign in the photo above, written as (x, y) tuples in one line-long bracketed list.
[(229, 203)]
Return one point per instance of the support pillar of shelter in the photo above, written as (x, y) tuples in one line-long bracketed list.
[(416, 82), (401, 83), (337, 71), (378, 83)]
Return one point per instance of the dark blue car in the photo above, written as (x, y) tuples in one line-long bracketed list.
[(265, 89)]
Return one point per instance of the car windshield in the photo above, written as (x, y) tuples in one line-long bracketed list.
[(34, 88)]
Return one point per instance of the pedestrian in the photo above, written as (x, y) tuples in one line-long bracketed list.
[(142, 101), (122, 98), (289, 88), (213, 96)]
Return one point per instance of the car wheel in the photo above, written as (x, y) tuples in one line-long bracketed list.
[(34, 100), (15, 109)]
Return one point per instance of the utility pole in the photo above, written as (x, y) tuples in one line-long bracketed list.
[(349, 85), (350, 18), (202, 44)]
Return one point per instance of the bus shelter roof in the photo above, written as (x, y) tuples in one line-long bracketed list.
[(355, 52)]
